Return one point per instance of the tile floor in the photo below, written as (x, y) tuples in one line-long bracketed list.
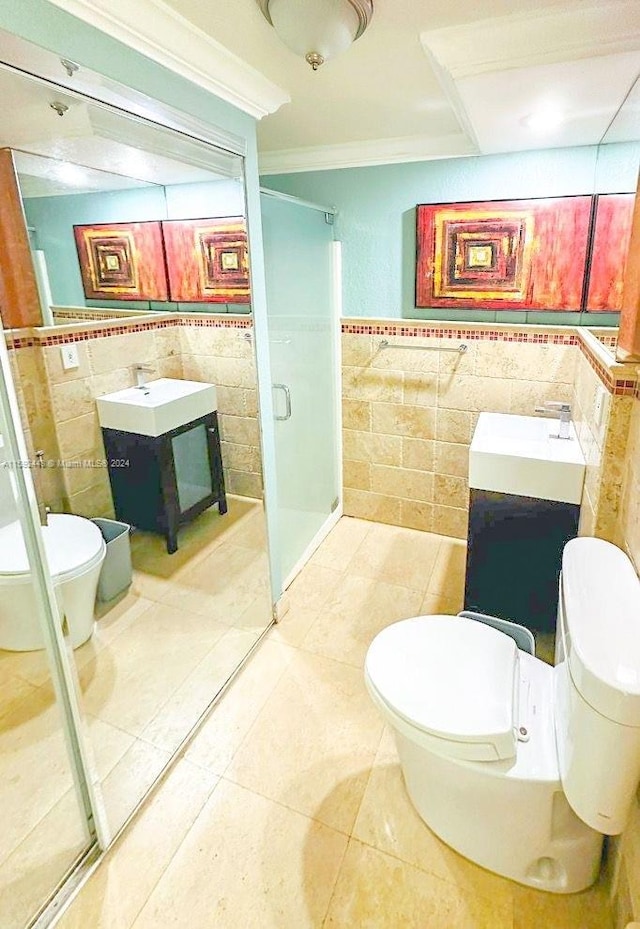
[(153, 665), (287, 811)]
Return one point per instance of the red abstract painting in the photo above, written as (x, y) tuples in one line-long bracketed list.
[(503, 254), (207, 260), (122, 261), (611, 238)]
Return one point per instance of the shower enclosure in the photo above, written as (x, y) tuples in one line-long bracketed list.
[(302, 271)]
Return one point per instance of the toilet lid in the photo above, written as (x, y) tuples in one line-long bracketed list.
[(69, 542), (451, 677)]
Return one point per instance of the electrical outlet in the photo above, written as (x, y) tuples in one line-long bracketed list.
[(69, 355)]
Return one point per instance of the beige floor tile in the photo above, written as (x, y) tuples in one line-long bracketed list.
[(388, 821), (34, 868), (222, 585), (313, 742), (247, 862), (125, 786), (293, 626), (216, 742), (31, 743), (257, 616), (128, 683), (378, 891), (182, 711), (356, 611), (447, 578), (397, 556), (533, 909), (312, 587), (341, 544), (441, 604), (119, 888)]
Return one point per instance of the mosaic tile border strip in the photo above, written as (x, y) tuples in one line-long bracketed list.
[(618, 386), (85, 335), (460, 332)]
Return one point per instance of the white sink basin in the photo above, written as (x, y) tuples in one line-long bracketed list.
[(157, 407), (519, 455)]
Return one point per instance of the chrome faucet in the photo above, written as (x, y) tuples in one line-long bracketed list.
[(558, 410), (140, 372)]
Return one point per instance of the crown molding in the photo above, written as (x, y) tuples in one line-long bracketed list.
[(363, 154), (153, 29), (520, 40)]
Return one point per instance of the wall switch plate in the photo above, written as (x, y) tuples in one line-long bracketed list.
[(69, 355)]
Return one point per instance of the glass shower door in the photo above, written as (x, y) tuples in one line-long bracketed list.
[(303, 340), (46, 807)]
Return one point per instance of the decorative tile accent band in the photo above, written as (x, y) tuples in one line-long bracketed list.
[(458, 332), (85, 335)]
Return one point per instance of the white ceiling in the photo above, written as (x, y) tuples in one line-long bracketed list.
[(435, 79), (114, 152)]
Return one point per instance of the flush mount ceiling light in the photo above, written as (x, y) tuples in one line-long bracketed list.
[(545, 118), (318, 29)]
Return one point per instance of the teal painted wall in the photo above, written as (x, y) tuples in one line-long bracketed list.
[(45, 25), (376, 215), (51, 221)]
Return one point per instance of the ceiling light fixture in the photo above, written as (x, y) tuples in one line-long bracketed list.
[(545, 118), (318, 29)]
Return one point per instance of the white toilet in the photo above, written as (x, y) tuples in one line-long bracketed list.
[(75, 551), (519, 766)]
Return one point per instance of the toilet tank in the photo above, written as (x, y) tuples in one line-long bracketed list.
[(597, 682)]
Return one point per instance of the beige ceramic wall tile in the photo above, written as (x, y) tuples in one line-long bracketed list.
[(415, 515), (72, 399), (106, 354), (450, 521), (231, 400), (244, 484), (240, 430), (119, 379), (357, 350), (470, 393), (420, 389), (402, 482), (81, 437), (407, 359), (398, 419), (53, 362), (366, 446), (377, 507), (356, 474), (454, 426), (455, 490), (372, 384), (527, 395), (418, 454), (451, 459), (356, 414)]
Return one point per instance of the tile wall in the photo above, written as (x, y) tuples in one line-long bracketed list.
[(603, 436), (408, 416), (60, 413), (626, 856)]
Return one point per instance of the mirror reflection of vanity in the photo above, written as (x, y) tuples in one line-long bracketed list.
[(128, 241)]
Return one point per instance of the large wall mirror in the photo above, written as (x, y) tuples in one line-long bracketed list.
[(81, 165), (126, 216)]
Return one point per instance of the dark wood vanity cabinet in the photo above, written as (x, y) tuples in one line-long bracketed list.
[(160, 483)]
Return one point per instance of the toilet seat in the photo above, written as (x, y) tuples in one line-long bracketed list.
[(451, 681), (72, 544)]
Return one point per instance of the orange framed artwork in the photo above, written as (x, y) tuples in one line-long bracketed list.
[(503, 254), (122, 261), (207, 260)]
